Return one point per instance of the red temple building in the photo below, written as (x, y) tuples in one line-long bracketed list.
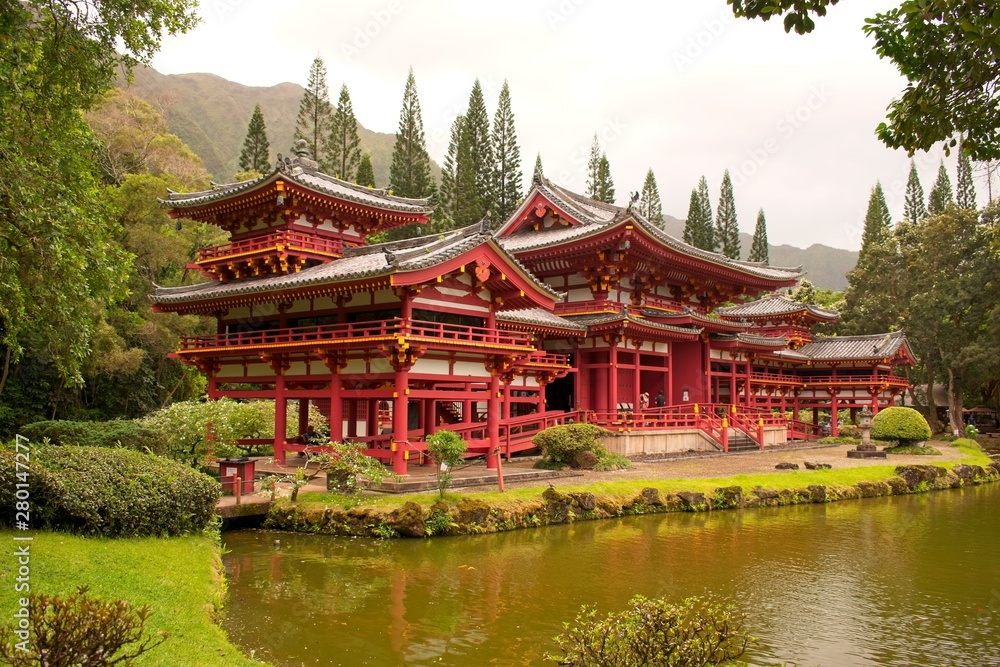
[(567, 313)]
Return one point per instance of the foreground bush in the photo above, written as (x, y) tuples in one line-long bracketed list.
[(577, 446), (78, 631), (905, 425), (654, 633), (109, 492), (117, 433)]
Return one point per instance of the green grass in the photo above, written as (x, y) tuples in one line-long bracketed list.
[(179, 578), (911, 450), (627, 489)]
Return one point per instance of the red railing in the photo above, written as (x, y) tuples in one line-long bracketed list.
[(358, 330), (799, 430), (544, 359), (289, 239), (853, 378), (590, 306), (664, 303)]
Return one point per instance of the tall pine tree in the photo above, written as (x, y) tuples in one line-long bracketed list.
[(878, 221), (727, 231), (605, 184), (706, 234), (366, 174), (445, 212), (344, 153), (650, 206), (410, 173), (467, 205), (507, 174), (914, 210), (966, 194), (692, 225), (315, 111), (480, 151), (593, 169), (538, 165), (758, 249), (256, 154), (941, 194)]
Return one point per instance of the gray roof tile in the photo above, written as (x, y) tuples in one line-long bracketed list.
[(776, 305)]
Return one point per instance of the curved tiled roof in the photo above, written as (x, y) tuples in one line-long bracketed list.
[(607, 318), (877, 346), (295, 171), (753, 339), (776, 305), (596, 217), (357, 263), (540, 317)]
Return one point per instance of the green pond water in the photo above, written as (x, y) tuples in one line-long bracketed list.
[(891, 581)]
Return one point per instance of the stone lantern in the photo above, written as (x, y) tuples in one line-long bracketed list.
[(866, 450)]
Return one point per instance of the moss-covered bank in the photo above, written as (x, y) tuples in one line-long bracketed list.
[(482, 513)]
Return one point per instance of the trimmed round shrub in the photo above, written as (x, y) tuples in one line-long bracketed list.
[(117, 433), (561, 444), (904, 425), (109, 492)]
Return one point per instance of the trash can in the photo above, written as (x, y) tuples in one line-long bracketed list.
[(231, 468)]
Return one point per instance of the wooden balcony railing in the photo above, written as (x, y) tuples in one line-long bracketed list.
[(289, 240), (353, 331), (589, 306)]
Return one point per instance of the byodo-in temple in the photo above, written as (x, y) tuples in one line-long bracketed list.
[(569, 311)]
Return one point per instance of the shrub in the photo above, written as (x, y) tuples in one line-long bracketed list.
[(849, 431), (903, 424), (561, 444), (971, 432), (448, 449), (654, 633), (117, 433), (609, 461), (78, 630), (110, 492)]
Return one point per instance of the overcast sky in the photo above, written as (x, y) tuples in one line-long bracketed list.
[(677, 86)]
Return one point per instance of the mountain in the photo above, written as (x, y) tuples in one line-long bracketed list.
[(825, 267), (210, 114)]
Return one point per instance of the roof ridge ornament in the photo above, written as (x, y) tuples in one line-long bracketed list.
[(390, 257), (484, 224)]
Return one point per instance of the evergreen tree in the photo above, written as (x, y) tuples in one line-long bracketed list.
[(727, 231), (410, 173), (344, 152), (538, 165), (705, 238), (692, 225), (605, 185), (256, 149), (366, 174), (914, 210), (941, 194), (966, 190), (593, 169), (878, 222), (467, 205), (758, 249), (313, 122), (445, 212), (507, 174), (650, 206), (480, 152)]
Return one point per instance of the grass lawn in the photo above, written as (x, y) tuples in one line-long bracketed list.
[(177, 577), (628, 489)]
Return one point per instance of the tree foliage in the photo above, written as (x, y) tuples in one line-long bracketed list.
[(946, 49), (914, 209), (410, 173), (966, 190), (941, 194), (480, 155), (605, 184), (872, 298), (365, 174), (507, 176), (654, 633), (727, 230), (650, 206), (448, 450), (344, 154), (758, 248), (313, 123), (593, 169), (256, 154)]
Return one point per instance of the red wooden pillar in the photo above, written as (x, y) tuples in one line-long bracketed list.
[(750, 399), (493, 421), (336, 410), (429, 412), (280, 405), (834, 428), (733, 398), (213, 387), (669, 375), (303, 415), (613, 377), (599, 394), (637, 380), (400, 412), (541, 397), (506, 400)]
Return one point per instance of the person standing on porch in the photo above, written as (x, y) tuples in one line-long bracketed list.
[(661, 400)]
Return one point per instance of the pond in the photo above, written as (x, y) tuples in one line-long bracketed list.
[(911, 580)]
